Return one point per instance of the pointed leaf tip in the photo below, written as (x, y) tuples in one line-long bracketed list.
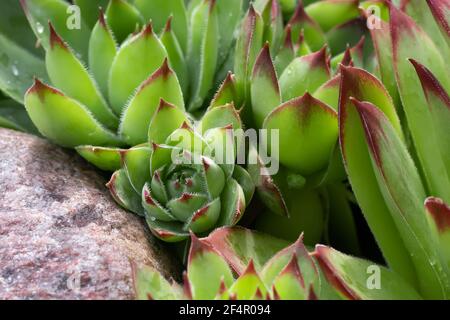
[(198, 247), (440, 213), (430, 83), (168, 26), (322, 255), (55, 39)]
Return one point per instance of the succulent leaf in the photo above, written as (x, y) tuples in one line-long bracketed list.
[(360, 85), (138, 57), (104, 158), (61, 60), (149, 284), (205, 282), (203, 51), (166, 119), (439, 214), (64, 120), (403, 192), (411, 42), (176, 55), (124, 193), (304, 74), (258, 246), (330, 13), (313, 33), (136, 162), (248, 45), (350, 277), (136, 118), (439, 105), (308, 131), (123, 18), (102, 50), (265, 92)]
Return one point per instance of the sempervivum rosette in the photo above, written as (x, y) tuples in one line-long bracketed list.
[(186, 179)]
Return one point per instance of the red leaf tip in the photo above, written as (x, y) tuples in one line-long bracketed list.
[(55, 39), (440, 212)]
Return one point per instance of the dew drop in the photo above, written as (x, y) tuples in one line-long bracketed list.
[(39, 28), (14, 70)]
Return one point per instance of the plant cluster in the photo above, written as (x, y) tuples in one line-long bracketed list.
[(352, 98)]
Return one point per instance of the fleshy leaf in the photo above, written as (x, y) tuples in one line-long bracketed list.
[(153, 209), (364, 87), (102, 50), (281, 260), (170, 232), (136, 162), (352, 277), (149, 284), (158, 11), (289, 283), (238, 245), (329, 92), (227, 93), (265, 92), (347, 34), (245, 181), (166, 120), (64, 120), (313, 34), (104, 158), (267, 189), (205, 282), (233, 204), (410, 41), (124, 194), (304, 74), (138, 57), (123, 18), (220, 117), (176, 55), (248, 284), (203, 51), (440, 10), (286, 53), (383, 48), (330, 13), (402, 189), (439, 213), (439, 107), (308, 131), (204, 219), (273, 24), (248, 45), (432, 18), (60, 62), (136, 118)]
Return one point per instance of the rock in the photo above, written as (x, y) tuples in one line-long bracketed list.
[(61, 234)]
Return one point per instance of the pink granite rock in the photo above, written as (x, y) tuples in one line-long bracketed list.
[(61, 234)]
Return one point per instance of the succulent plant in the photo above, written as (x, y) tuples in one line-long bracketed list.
[(354, 98), (292, 273), (111, 104), (289, 79), (185, 178)]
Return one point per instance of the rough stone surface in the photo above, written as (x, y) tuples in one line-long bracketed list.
[(61, 234)]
